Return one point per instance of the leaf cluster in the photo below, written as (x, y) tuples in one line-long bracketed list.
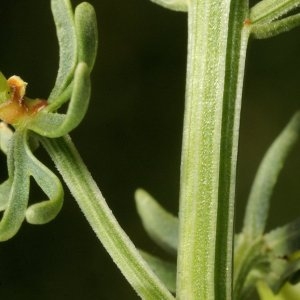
[(78, 41)]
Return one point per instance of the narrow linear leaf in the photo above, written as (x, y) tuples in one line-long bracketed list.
[(161, 226), (177, 5), (10, 157), (14, 214), (47, 123), (56, 125), (60, 100), (288, 292), (4, 88), (284, 240), (268, 10), (4, 194), (165, 271), (274, 28), (65, 28), (266, 178), (87, 33), (249, 264), (282, 271), (275, 260), (274, 273), (45, 211), (5, 137), (295, 277)]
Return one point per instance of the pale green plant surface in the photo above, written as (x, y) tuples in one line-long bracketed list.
[(177, 5), (288, 292), (77, 34), (212, 263)]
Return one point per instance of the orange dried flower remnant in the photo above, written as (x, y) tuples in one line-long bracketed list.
[(17, 108)]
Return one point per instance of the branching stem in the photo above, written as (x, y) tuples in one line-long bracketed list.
[(101, 219)]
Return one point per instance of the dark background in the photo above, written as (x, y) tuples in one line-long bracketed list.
[(131, 136)]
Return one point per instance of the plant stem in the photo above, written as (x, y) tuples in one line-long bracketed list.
[(267, 10), (216, 55), (101, 219)]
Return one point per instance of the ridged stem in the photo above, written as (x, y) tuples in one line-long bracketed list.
[(216, 54), (102, 221)]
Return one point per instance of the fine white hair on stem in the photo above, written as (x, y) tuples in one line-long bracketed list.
[(177, 5)]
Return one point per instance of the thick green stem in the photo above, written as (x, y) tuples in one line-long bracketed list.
[(101, 219), (216, 55)]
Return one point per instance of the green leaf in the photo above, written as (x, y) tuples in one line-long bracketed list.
[(280, 275), (165, 271), (14, 213), (45, 211), (264, 31), (288, 292), (4, 194), (266, 178), (5, 137), (250, 262), (15, 191), (270, 258), (54, 124), (87, 33), (65, 28), (177, 5), (268, 10), (284, 240), (4, 89), (60, 100), (161, 226)]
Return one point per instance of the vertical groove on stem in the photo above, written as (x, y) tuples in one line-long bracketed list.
[(235, 64), (208, 158), (207, 43)]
